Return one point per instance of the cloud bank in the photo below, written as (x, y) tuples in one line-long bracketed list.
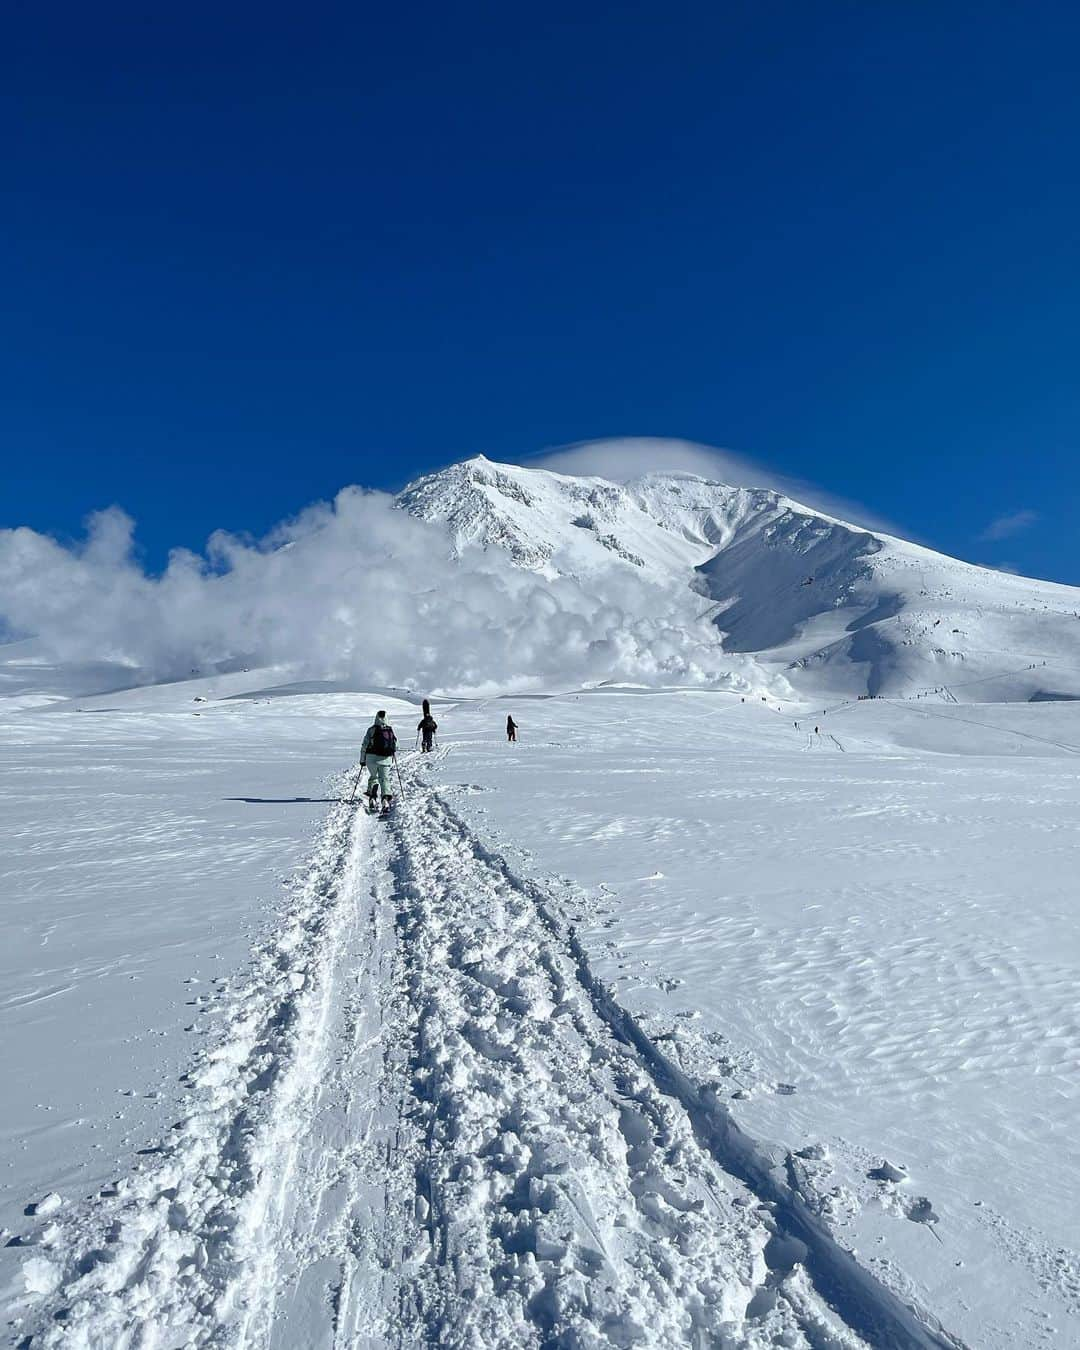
[(350, 589), (624, 458), (1004, 527)]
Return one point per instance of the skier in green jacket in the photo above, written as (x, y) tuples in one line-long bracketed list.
[(377, 756)]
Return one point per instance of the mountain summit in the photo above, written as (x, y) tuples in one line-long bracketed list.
[(836, 609)]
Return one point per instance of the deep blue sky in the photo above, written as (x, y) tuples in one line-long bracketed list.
[(251, 253)]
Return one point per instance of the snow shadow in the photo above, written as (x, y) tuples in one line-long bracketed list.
[(284, 801)]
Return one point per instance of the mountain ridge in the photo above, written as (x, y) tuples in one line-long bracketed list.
[(833, 607)]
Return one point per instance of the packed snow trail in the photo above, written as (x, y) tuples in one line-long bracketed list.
[(579, 1186), (428, 1123), (280, 1166), (566, 1200)]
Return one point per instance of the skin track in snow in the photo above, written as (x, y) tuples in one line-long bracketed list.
[(242, 1222), (522, 977), (428, 1123)]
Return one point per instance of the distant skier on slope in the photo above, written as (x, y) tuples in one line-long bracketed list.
[(511, 728), (427, 727), (377, 756)]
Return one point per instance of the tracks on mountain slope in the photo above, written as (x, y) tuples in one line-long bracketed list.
[(429, 1123)]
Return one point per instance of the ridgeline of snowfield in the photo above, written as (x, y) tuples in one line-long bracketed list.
[(730, 1007), (814, 606)]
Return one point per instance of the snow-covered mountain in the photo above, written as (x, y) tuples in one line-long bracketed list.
[(836, 609), (608, 1037)]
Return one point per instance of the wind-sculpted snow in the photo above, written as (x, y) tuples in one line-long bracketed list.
[(502, 1064), (632, 1209), (428, 1122)]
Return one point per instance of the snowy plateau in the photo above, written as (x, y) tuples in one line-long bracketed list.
[(733, 1005)]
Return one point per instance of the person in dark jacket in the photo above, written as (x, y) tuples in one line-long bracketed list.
[(377, 756), (511, 728), (427, 727)]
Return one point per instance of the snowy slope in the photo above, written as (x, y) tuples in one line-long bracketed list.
[(870, 950), (613, 1037), (558, 525), (828, 608), (691, 1019), (551, 582)]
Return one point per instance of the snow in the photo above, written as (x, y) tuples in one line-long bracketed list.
[(734, 1005), (146, 841), (804, 602), (626, 1034), (890, 932), (488, 578)]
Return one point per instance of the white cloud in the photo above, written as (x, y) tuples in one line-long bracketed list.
[(1004, 527), (349, 589), (624, 458)]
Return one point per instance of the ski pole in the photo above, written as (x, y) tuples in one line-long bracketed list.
[(399, 778), (360, 775)]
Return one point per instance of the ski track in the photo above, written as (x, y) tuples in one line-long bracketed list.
[(185, 1250), (428, 1123)]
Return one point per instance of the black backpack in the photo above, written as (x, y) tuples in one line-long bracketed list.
[(383, 740), (429, 723)]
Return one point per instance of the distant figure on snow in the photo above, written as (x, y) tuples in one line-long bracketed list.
[(511, 728), (427, 727), (377, 756)]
